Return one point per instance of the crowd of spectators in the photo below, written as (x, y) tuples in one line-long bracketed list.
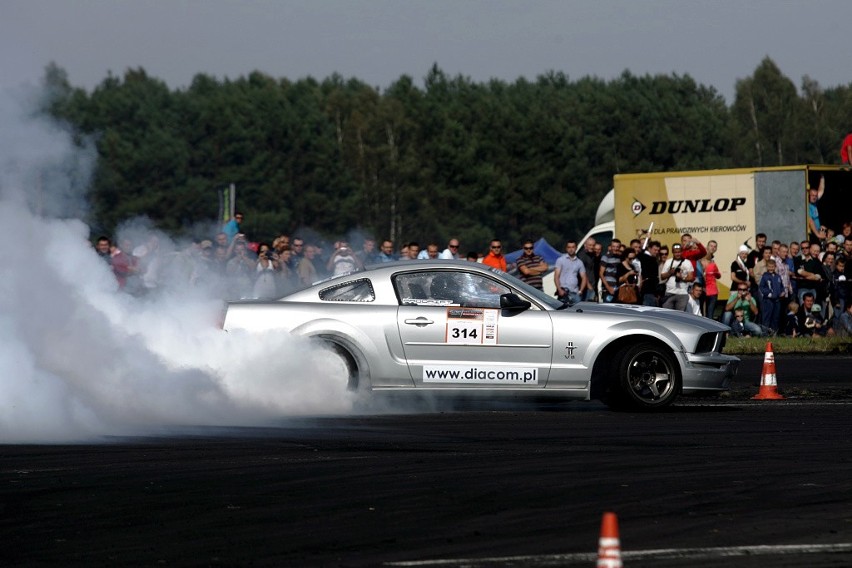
[(795, 289)]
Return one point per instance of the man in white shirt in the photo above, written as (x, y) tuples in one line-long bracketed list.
[(693, 304), (678, 273), (452, 250)]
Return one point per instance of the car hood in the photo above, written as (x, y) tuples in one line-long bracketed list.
[(663, 315)]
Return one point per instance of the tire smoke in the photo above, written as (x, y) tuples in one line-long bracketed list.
[(81, 360)]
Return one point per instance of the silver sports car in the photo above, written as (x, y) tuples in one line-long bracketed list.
[(464, 327)]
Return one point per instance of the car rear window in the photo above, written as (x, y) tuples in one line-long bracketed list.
[(353, 291)]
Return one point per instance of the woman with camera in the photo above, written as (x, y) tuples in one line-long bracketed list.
[(265, 284)]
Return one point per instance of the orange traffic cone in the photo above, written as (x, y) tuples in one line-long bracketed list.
[(609, 545), (768, 384)]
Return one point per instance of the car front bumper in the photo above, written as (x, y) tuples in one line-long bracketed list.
[(708, 372)]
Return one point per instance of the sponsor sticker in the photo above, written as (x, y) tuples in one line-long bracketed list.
[(481, 374), (471, 326)]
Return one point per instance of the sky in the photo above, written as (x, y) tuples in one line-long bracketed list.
[(715, 42)]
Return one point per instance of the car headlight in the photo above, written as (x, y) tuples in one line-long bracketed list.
[(710, 342)]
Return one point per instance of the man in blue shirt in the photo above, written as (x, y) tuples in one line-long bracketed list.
[(570, 275), (816, 233)]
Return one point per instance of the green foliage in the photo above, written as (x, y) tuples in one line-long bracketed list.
[(450, 158)]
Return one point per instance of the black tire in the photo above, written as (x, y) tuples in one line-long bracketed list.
[(644, 377)]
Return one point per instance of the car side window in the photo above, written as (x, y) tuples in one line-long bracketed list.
[(448, 288), (356, 291)]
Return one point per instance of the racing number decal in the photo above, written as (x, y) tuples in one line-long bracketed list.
[(471, 326)]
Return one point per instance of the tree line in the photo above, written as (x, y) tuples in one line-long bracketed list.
[(452, 157)]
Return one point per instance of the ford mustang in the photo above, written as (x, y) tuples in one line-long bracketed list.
[(462, 327)]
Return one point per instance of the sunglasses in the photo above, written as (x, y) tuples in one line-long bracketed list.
[(454, 246), (528, 248), (497, 247)]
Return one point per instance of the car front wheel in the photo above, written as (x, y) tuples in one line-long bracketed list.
[(645, 377)]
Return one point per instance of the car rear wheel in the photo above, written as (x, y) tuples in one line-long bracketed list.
[(645, 377), (342, 364)]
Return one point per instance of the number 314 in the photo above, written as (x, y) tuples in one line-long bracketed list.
[(464, 333)]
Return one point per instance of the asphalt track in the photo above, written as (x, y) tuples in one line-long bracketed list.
[(712, 482)]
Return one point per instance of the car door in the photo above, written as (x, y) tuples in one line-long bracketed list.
[(455, 335)]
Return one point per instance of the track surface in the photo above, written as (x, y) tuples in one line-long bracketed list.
[(478, 485)]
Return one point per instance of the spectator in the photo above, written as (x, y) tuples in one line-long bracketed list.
[(784, 268), (636, 245), (757, 270), (650, 274), (771, 289), (693, 304), (841, 285), (843, 325), (570, 275), (102, 249), (298, 248), (367, 255), (241, 270), (677, 274), (452, 250), (811, 321), (287, 277), (386, 252), (232, 227), (403, 252), (739, 269), (810, 272), (473, 256), (846, 149), (756, 253), (221, 240), (266, 267), (531, 267), (847, 250), (743, 302), (343, 260), (432, 251), (495, 256), (754, 256), (413, 250), (306, 271), (738, 324), (628, 279), (794, 264), (711, 273), (816, 232), (760, 265), (149, 263), (791, 324), (607, 271), (122, 266), (592, 265), (692, 250)]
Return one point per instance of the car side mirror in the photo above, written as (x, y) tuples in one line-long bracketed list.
[(513, 302)]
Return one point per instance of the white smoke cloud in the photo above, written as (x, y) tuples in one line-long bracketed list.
[(80, 359)]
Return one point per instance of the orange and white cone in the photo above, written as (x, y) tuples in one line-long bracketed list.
[(768, 383), (609, 545)]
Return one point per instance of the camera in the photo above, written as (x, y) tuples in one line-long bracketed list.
[(270, 254)]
